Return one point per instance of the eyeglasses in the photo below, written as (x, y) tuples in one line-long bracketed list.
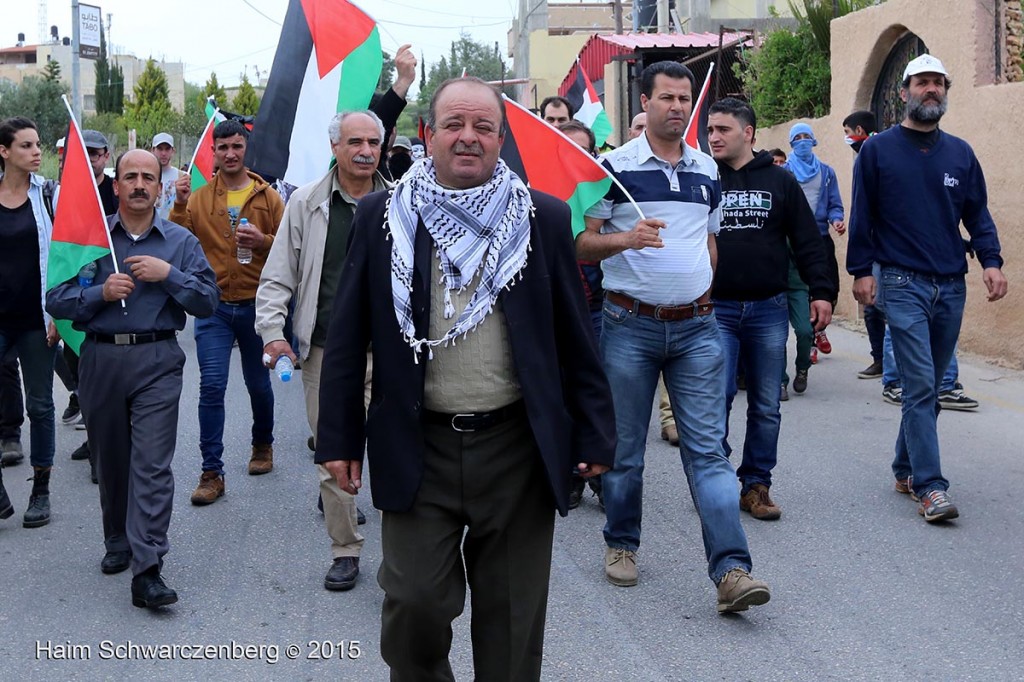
[(96, 153)]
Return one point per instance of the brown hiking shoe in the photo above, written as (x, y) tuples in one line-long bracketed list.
[(759, 504), (670, 434), (737, 591), (620, 567), (262, 461), (211, 486)]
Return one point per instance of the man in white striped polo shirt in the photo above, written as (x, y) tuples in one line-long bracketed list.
[(658, 318)]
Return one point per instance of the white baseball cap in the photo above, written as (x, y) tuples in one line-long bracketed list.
[(163, 138), (924, 64)]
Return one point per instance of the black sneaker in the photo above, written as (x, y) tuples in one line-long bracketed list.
[(892, 394), (955, 399), (872, 371), (72, 411), (576, 487), (11, 452), (783, 393), (800, 381), (81, 452), (936, 506)]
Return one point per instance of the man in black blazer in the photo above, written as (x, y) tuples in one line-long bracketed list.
[(487, 388)]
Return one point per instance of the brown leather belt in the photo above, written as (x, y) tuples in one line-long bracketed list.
[(666, 313)]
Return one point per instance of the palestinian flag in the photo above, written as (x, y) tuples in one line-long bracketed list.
[(80, 233), (328, 60), (547, 160), (589, 110), (696, 134), (201, 168)]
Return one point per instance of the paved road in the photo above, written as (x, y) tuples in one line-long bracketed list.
[(861, 588)]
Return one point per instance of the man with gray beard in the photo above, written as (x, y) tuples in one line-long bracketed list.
[(912, 187)]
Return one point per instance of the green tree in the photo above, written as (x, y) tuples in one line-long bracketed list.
[(246, 102), (37, 99), (216, 90), (790, 76), (51, 72), (151, 112), (476, 58), (109, 82)]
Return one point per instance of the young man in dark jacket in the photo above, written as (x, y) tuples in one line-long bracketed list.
[(763, 206)]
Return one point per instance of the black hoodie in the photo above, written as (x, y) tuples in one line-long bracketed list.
[(763, 206)]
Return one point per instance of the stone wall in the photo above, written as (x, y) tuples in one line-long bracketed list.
[(986, 114)]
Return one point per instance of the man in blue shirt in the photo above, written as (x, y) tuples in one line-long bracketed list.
[(912, 187), (131, 368), (658, 318)]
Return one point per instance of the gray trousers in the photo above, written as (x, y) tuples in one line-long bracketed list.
[(130, 402), (484, 513)]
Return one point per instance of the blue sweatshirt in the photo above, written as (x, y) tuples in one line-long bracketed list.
[(830, 205), (908, 205)]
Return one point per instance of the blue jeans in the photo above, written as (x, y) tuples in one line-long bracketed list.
[(924, 314), (890, 372), (636, 350), (754, 333), (215, 337), (37, 370)]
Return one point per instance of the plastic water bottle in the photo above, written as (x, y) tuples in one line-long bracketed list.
[(284, 368), (244, 254)]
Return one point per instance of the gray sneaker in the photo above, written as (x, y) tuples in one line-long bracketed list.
[(737, 591), (892, 394), (11, 452), (620, 567), (936, 506), (954, 399)]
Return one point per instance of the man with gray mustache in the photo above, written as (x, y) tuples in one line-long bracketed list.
[(305, 262), (912, 187)]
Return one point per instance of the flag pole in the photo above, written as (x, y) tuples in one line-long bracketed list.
[(195, 152), (592, 159), (95, 187), (99, 201), (700, 99)]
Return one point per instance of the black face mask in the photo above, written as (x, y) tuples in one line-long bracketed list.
[(398, 164)]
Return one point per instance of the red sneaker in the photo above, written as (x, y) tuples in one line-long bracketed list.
[(814, 355), (822, 342)]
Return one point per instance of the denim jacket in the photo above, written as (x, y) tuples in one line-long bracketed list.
[(44, 230)]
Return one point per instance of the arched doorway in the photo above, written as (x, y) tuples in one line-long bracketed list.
[(886, 102)]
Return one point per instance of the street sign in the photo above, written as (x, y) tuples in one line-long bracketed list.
[(90, 20)]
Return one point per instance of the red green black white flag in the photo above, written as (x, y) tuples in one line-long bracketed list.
[(328, 60)]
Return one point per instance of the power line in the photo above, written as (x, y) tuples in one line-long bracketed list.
[(434, 11), (259, 12), (399, 23)]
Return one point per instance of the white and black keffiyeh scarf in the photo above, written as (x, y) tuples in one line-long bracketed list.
[(483, 229)]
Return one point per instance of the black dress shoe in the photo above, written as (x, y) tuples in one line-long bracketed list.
[(343, 574), (360, 517), (149, 590), (81, 452), (115, 562)]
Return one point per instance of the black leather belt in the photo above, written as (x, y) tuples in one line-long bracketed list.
[(244, 302), (132, 339), (468, 422)]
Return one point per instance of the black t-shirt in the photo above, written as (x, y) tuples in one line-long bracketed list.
[(21, 307), (107, 196), (921, 140)]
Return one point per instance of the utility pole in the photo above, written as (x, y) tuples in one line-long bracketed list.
[(76, 67), (663, 17), (617, 13)]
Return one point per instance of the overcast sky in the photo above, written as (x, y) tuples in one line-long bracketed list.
[(232, 36)]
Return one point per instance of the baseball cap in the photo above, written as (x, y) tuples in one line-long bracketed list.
[(94, 139), (924, 64), (402, 142), (163, 138)]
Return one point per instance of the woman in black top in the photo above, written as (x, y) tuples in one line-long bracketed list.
[(25, 229)]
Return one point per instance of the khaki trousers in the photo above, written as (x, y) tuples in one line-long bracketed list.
[(339, 506), (664, 407)]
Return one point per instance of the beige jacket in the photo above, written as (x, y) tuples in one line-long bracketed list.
[(295, 263)]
